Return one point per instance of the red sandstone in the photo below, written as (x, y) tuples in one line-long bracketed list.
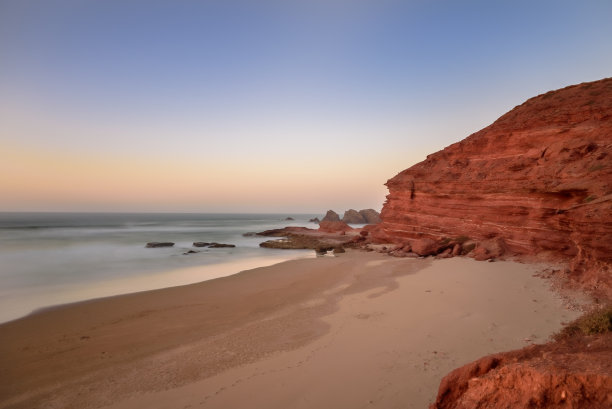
[(538, 181)]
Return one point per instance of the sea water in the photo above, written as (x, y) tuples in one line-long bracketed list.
[(54, 258)]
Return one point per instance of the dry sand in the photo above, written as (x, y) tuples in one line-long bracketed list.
[(361, 330)]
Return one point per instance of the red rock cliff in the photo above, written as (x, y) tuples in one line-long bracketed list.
[(539, 178)]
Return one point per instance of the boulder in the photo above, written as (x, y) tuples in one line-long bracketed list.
[(456, 250), (315, 220), (448, 253), (201, 244), (322, 250), (339, 249), (489, 249), (424, 247)]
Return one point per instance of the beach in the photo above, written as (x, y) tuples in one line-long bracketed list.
[(49, 259), (358, 330)]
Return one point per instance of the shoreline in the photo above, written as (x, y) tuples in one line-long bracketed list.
[(143, 349), (146, 281)]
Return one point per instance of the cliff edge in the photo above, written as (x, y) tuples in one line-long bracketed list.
[(537, 182)]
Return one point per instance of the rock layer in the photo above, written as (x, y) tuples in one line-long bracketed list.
[(538, 181)]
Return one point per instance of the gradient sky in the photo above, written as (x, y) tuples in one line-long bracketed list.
[(264, 106)]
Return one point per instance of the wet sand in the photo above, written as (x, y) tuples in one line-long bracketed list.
[(358, 330)]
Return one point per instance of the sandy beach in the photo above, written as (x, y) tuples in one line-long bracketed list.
[(358, 330)]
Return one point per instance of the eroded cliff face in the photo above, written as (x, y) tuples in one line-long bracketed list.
[(538, 180)]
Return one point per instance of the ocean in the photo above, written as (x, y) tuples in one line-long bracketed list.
[(48, 259)]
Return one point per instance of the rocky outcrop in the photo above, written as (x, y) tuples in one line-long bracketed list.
[(365, 216), (221, 245), (354, 217), (331, 216), (337, 236), (295, 242), (285, 231), (570, 374), (334, 227), (370, 216), (292, 241), (212, 245), (537, 182)]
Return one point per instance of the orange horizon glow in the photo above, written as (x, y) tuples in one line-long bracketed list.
[(36, 180)]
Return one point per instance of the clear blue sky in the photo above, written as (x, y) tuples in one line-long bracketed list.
[(264, 105)]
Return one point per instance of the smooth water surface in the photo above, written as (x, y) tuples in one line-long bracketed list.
[(54, 258)]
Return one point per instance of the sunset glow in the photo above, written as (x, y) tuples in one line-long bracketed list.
[(239, 107)]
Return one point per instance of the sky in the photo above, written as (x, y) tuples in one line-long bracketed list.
[(264, 106)]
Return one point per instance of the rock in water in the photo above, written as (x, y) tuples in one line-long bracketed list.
[(354, 217), (370, 216), (539, 178), (155, 244), (211, 245), (220, 245), (331, 216)]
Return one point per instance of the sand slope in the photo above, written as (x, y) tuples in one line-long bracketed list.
[(359, 330)]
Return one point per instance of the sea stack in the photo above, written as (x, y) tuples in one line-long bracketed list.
[(353, 216), (331, 216), (370, 216)]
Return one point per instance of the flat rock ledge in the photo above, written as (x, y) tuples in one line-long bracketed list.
[(212, 245)]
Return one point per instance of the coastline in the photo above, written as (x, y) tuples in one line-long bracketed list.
[(394, 326), (30, 303), (57, 258)]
